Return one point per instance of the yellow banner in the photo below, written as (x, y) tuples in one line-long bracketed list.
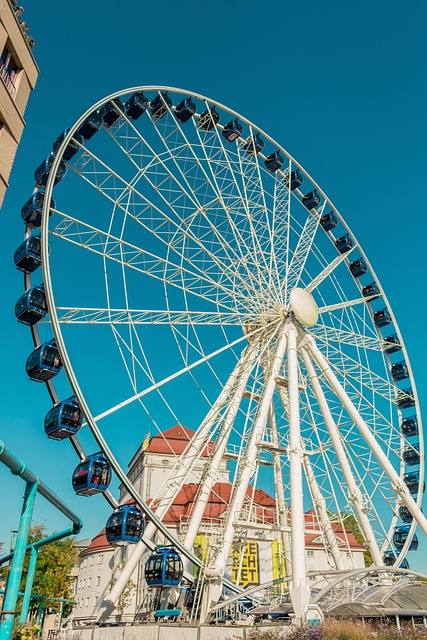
[(249, 565)]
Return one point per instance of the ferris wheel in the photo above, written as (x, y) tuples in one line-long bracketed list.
[(195, 274)]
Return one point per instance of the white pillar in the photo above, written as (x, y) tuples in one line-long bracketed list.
[(354, 495), (299, 590), (396, 481)]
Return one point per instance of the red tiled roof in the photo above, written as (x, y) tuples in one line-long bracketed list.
[(99, 543), (175, 441)]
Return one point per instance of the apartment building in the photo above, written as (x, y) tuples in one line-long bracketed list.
[(18, 76)]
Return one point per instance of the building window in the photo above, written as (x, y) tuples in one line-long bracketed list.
[(98, 580), (96, 600), (87, 601), (100, 558), (89, 580), (310, 553), (8, 70), (91, 560)]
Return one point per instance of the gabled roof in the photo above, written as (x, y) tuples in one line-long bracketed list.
[(174, 441)]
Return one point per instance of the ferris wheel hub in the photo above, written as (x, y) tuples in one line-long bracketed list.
[(304, 307)]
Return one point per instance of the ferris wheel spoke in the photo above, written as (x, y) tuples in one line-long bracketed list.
[(185, 153), (197, 210), (345, 304), (110, 316), (156, 222), (118, 250), (354, 494), (326, 334), (303, 248), (181, 372), (328, 270), (233, 204)]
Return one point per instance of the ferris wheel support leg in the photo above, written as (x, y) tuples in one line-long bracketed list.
[(108, 604), (299, 590), (219, 562), (211, 475), (396, 481), (354, 494), (282, 508), (322, 513)]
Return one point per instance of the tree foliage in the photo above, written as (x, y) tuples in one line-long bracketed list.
[(352, 525), (54, 563)]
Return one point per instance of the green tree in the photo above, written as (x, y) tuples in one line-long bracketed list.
[(54, 564), (351, 524)]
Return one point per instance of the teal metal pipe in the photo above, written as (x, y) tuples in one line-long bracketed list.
[(11, 596), (40, 543), (32, 567), (28, 585), (19, 468)]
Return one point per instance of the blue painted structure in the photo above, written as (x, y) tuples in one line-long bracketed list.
[(159, 106), (311, 200), (125, 525), (31, 306), (136, 105), (401, 535), (72, 148), (44, 362), (90, 126), (111, 112), (63, 420), (33, 486), (41, 174), (382, 317), (27, 256), (232, 130), (164, 568), (254, 145), (209, 119), (409, 426), (185, 110), (31, 212), (344, 244), (328, 221), (92, 475), (274, 162)]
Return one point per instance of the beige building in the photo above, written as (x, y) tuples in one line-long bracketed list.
[(18, 73)]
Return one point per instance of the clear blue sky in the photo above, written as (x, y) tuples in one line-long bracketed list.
[(340, 85)]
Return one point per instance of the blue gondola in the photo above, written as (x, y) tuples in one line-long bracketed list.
[(389, 558), (31, 306), (71, 149), (399, 370), (311, 200), (274, 161), (411, 455), (63, 420), (254, 145), (371, 290), (136, 105), (328, 221), (111, 112), (391, 344), (232, 130), (209, 119), (159, 106), (405, 514), (41, 174), (358, 267), (382, 317), (185, 110), (296, 179), (27, 256), (409, 426), (344, 244), (31, 212), (405, 398), (164, 568), (125, 525), (412, 481), (92, 475), (400, 536), (90, 126), (44, 362)]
